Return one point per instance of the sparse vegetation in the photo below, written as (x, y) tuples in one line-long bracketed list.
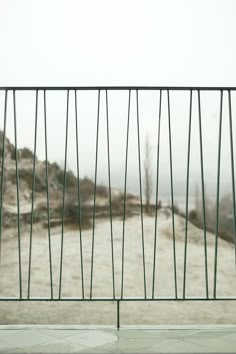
[(193, 215), (26, 153), (225, 217), (75, 214)]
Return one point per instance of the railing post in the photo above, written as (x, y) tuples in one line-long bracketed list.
[(118, 314)]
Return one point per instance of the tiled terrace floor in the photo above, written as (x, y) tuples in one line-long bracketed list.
[(87, 339)]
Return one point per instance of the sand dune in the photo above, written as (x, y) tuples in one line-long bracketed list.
[(131, 313)]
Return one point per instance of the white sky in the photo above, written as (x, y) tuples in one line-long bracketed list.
[(169, 42), (123, 42)]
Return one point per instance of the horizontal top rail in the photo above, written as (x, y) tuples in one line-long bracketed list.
[(81, 88)]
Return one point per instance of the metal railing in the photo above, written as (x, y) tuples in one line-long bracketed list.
[(133, 96)]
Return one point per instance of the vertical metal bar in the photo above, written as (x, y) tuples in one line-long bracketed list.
[(95, 192), (218, 194), (203, 192), (125, 187), (109, 187), (47, 187), (232, 169), (33, 190), (157, 193), (2, 172), (118, 314), (172, 195), (141, 199), (79, 201), (17, 194), (64, 191), (187, 191)]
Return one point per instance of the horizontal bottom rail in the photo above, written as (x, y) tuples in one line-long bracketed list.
[(103, 299)]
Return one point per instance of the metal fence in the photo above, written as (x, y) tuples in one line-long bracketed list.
[(11, 99)]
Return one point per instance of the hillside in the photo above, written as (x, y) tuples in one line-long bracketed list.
[(73, 215), (56, 188)]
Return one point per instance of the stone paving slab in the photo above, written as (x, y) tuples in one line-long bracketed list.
[(106, 339)]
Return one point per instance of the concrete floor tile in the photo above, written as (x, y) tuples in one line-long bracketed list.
[(93, 339), (215, 345), (56, 346), (4, 332), (7, 346), (139, 334), (15, 351), (25, 338), (230, 337), (175, 346), (60, 333), (126, 345), (120, 348), (181, 333), (211, 334)]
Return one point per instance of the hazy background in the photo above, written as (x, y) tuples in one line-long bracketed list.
[(177, 43)]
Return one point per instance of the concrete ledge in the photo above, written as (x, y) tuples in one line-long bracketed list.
[(131, 327)]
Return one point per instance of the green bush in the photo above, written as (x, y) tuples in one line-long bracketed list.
[(26, 153), (193, 215), (74, 215), (102, 191)]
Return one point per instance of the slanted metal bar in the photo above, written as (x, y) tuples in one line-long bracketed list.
[(33, 190), (155, 254), (141, 198), (157, 193), (172, 194), (218, 195), (125, 188), (79, 200), (187, 192), (232, 169), (64, 191), (2, 172), (95, 192), (110, 201), (47, 188), (203, 191), (17, 194)]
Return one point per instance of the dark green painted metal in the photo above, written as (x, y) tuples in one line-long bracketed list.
[(2, 172), (157, 193), (172, 193), (94, 194), (118, 88), (79, 201), (218, 195), (47, 189), (187, 191), (141, 198), (110, 200), (33, 190), (64, 191), (203, 191), (114, 297), (232, 169), (110, 299), (125, 188), (17, 194), (118, 314)]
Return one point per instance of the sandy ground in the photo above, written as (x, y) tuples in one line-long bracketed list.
[(131, 312)]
